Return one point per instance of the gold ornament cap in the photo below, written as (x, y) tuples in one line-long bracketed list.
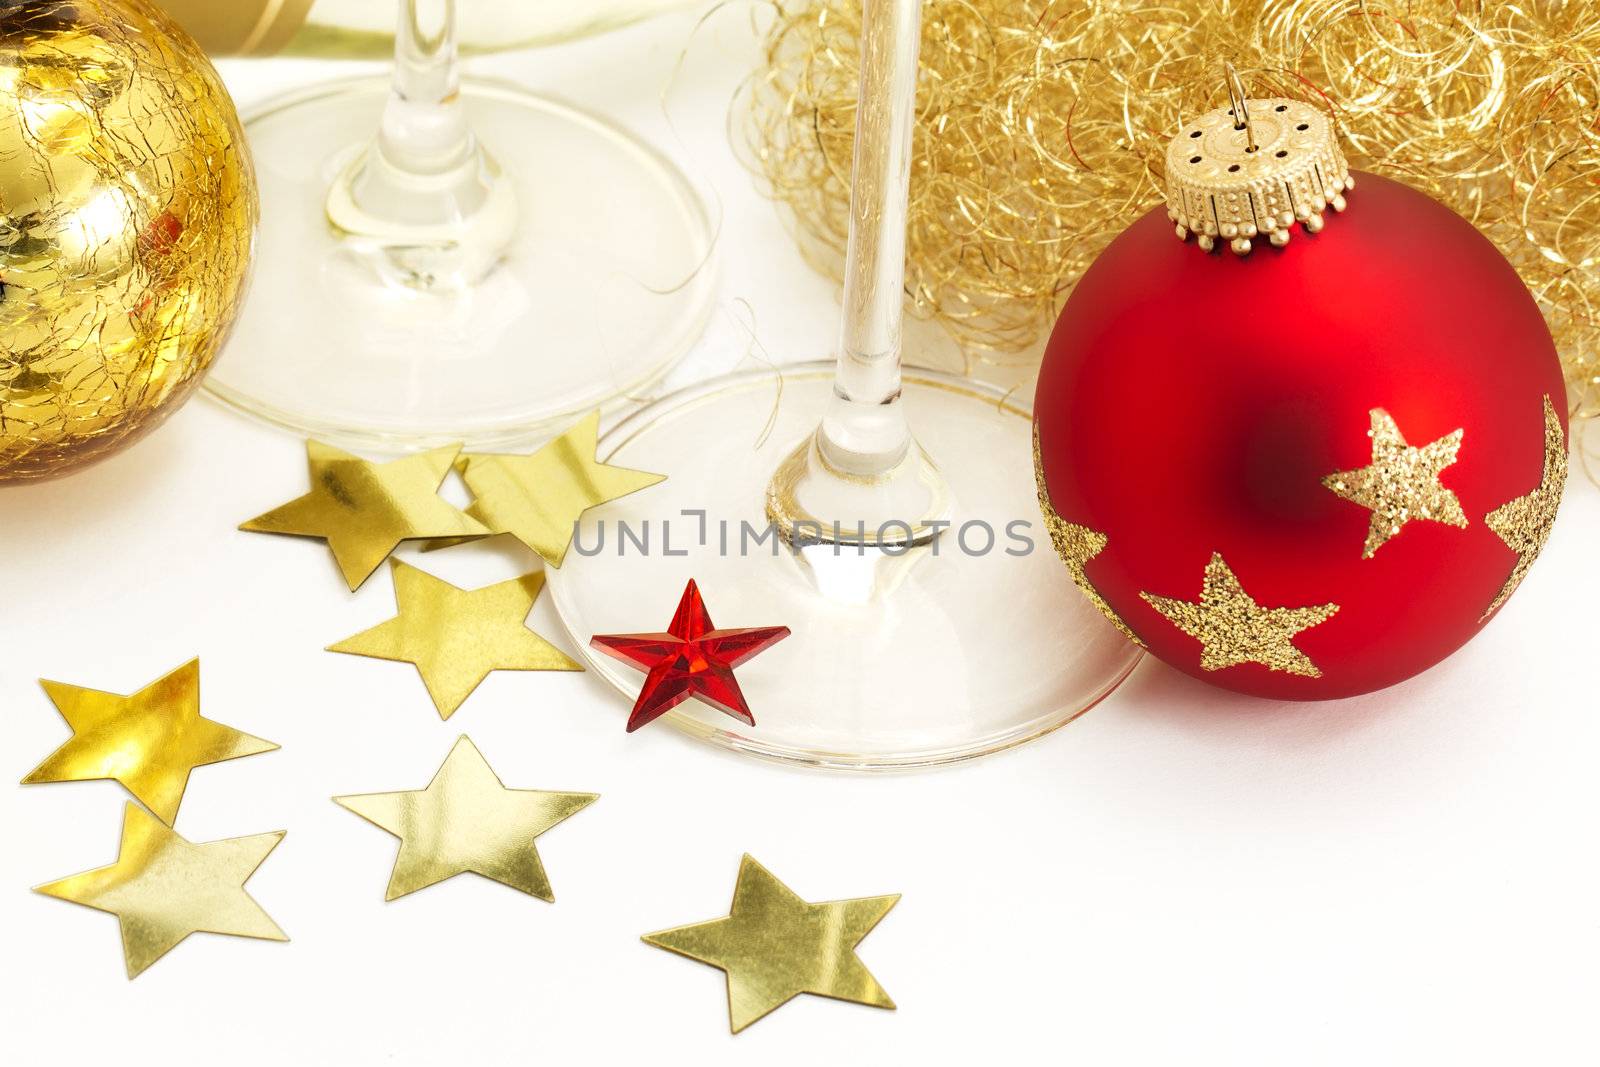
[(1255, 167)]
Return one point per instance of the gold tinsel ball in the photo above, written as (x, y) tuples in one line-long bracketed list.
[(127, 214)]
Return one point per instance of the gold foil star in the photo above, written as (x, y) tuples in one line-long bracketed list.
[(467, 821), (1524, 524), (164, 888), (775, 946), (364, 509), (538, 498), (149, 741), (1232, 628), (455, 637), (1401, 483), (1076, 545)]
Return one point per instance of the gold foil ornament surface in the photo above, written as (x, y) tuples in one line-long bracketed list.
[(775, 946), (162, 888), (149, 740), (127, 215), (466, 820), (455, 637)]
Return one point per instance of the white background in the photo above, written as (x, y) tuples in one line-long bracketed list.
[(1181, 877)]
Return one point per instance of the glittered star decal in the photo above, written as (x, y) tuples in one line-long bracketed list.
[(538, 498), (775, 946), (149, 740), (467, 821), (1401, 483), (455, 637), (364, 509), (162, 888), (690, 660), (1232, 628), (1076, 545), (1524, 524)]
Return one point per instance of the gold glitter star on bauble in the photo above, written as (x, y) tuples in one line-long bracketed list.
[(775, 946), (1524, 524), (1076, 545), (1401, 483), (162, 888), (538, 498), (363, 510), (1232, 628), (455, 636), (467, 821), (149, 740)]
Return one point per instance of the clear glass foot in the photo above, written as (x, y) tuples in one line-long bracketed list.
[(598, 282), (899, 658)]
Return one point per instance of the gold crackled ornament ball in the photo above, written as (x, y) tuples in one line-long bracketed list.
[(127, 214)]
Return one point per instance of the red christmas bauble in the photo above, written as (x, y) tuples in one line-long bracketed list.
[(1309, 471)]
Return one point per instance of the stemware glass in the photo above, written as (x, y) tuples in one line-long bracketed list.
[(931, 619), (443, 260)]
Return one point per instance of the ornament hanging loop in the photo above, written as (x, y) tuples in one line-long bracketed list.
[(1239, 106)]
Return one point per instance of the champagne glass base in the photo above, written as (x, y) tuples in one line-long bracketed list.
[(901, 662), (606, 284)]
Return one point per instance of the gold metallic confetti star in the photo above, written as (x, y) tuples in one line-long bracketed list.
[(164, 888), (455, 637), (1524, 524), (1076, 545), (1401, 483), (364, 509), (1232, 628), (149, 741), (775, 946), (538, 498), (466, 820)]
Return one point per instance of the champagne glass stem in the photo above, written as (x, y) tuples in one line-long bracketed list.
[(865, 431), (911, 655), (425, 200), (861, 478), (424, 130)]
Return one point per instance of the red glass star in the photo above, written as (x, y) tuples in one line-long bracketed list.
[(690, 660)]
